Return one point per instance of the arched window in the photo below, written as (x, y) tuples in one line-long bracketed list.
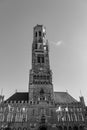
[(24, 128), (81, 128), (40, 33), (2, 129), (30, 102), (75, 128), (14, 128), (19, 128), (41, 91), (34, 76), (40, 40), (40, 58), (60, 128), (70, 128), (65, 128)]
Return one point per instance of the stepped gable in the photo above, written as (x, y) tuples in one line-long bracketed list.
[(63, 97), (18, 96)]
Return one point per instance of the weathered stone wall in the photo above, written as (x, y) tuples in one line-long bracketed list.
[(24, 115)]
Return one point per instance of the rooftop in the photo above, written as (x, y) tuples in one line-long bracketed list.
[(59, 97)]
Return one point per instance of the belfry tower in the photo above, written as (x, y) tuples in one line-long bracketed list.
[(40, 82)]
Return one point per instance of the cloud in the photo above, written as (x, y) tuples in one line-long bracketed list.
[(58, 43)]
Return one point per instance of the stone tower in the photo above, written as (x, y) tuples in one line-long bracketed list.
[(40, 82)]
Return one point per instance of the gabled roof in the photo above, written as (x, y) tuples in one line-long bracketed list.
[(18, 96), (59, 97), (63, 97)]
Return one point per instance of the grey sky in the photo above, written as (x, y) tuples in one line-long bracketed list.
[(66, 27)]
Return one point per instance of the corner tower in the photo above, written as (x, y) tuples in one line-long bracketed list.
[(40, 82)]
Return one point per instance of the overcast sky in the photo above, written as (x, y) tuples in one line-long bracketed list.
[(66, 27)]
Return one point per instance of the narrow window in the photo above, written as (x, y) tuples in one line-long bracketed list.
[(41, 91), (36, 34), (34, 76), (19, 128), (30, 102), (40, 33), (42, 59), (35, 46), (40, 40), (38, 59), (47, 77), (33, 112)]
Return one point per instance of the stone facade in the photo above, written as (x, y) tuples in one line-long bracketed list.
[(41, 108), (40, 84)]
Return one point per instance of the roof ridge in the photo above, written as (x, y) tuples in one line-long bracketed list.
[(21, 92), (60, 92)]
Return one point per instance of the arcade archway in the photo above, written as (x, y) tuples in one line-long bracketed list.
[(42, 128), (75, 128)]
